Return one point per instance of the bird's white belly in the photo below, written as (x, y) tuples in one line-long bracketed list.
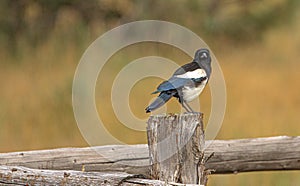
[(190, 93)]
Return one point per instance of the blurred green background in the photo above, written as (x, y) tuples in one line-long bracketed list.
[(257, 43)]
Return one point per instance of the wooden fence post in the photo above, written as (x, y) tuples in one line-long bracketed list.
[(176, 144)]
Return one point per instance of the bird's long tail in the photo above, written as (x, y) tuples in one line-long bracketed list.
[(160, 101)]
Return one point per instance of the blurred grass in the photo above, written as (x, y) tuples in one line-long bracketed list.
[(262, 81), (36, 109)]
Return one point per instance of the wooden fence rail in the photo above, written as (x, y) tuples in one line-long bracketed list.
[(16, 175), (230, 156)]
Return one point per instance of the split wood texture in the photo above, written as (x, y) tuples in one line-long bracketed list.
[(230, 156), (16, 175), (175, 144)]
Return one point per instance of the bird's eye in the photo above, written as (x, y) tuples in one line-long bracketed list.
[(204, 55)]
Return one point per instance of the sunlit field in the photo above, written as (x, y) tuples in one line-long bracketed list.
[(262, 81)]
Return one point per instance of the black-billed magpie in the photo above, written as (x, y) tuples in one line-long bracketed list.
[(186, 83)]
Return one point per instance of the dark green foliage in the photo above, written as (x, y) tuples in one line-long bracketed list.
[(32, 21)]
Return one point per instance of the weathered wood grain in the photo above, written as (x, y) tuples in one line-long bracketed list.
[(175, 145), (231, 156), (16, 175), (123, 158), (258, 154), (11, 175)]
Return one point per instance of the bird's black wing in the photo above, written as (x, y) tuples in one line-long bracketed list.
[(186, 68), (171, 84), (177, 82), (180, 79)]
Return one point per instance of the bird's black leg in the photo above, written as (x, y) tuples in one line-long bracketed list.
[(183, 103), (180, 100), (186, 106), (187, 109), (190, 109)]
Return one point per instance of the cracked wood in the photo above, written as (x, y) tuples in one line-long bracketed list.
[(231, 156)]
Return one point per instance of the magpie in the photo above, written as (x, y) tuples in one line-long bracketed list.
[(186, 83)]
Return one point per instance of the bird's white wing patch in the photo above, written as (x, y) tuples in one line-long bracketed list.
[(190, 93), (198, 73)]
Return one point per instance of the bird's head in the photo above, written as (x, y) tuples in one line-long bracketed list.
[(203, 58)]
